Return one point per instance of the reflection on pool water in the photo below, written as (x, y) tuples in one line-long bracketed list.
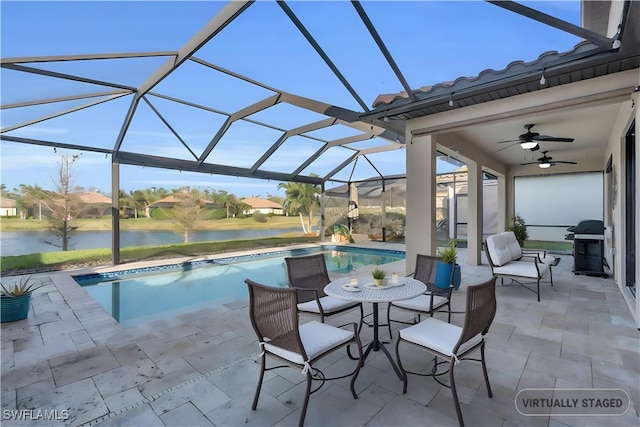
[(138, 296)]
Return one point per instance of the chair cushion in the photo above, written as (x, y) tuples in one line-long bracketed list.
[(329, 305), (316, 338), (498, 249), (522, 269), (421, 303), (438, 335), (512, 244)]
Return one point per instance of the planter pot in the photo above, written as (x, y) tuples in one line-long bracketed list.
[(443, 275), (14, 308), (378, 282)]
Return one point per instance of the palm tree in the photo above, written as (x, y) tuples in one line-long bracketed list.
[(143, 198), (301, 199)]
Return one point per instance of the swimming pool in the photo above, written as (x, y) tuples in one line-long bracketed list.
[(138, 296)]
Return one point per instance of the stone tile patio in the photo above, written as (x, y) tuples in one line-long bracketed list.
[(72, 362)]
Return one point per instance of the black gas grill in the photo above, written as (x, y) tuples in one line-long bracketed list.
[(588, 247)]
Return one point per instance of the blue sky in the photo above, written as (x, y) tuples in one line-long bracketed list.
[(432, 42)]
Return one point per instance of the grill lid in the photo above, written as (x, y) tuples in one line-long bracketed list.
[(588, 226)]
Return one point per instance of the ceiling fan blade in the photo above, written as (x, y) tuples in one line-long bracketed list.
[(508, 146), (508, 140), (567, 163), (530, 163), (552, 138)]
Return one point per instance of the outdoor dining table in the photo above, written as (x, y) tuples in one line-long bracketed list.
[(366, 291)]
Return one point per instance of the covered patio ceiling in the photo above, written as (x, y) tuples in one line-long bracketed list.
[(298, 91)]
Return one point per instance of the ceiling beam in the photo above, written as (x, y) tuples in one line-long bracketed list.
[(322, 54), (55, 144), (63, 58), (146, 160), (230, 12), (64, 76), (554, 22), (383, 48), (64, 99), (62, 113)]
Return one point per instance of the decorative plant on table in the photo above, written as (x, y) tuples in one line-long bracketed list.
[(444, 274), (15, 299), (378, 276)]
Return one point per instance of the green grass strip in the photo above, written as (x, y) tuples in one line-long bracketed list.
[(16, 264)]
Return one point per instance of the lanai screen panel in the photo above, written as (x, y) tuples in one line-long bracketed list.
[(234, 61)]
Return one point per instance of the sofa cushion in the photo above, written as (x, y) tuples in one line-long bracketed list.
[(522, 269), (512, 244), (498, 249)]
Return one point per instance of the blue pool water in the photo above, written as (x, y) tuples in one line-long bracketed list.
[(138, 296)]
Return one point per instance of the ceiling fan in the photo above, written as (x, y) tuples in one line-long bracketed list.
[(546, 161), (529, 140)]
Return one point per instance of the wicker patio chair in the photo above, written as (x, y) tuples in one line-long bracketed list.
[(309, 275), (451, 342), (433, 300), (275, 320)]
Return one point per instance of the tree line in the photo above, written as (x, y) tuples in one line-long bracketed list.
[(190, 208)]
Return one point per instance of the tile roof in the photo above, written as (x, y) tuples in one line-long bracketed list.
[(256, 202), (7, 203)]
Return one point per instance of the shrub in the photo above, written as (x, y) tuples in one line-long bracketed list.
[(519, 228), (259, 217)]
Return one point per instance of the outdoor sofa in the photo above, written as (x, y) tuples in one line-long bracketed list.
[(508, 260)]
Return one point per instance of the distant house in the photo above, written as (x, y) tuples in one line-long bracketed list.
[(263, 206), (8, 207), (97, 205), (171, 200)]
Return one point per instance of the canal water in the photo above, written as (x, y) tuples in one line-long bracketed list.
[(30, 242)]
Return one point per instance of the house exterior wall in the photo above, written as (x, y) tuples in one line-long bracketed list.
[(8, 211), (443, 127), (266, 211), (614, 201)]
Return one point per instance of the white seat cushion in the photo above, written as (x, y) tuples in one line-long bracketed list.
[(522, 269), (316, 338), (329, 305), (438, 335), (421, 303)]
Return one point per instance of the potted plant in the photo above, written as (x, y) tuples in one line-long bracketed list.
[(341, 234), (448, 267), (519, 228), (15, 299), (378, 276)]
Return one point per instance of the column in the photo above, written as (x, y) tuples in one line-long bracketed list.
[(420, 233)]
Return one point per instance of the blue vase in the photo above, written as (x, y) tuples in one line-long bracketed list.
[(14, 308), (443, 275)]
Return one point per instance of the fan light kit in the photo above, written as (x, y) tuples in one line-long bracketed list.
[(530, 139), (545, 162)]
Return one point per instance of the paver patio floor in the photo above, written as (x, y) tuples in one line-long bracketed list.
[(71, 360)]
